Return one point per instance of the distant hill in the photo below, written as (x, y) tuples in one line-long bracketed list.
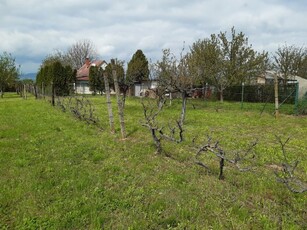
[(28, 76)]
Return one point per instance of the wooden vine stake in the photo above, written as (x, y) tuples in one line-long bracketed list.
[(119, 101)]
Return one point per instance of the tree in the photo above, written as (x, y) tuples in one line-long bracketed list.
[(62, 78), (119, 67), (223, 61), (56, 56), (138, 69), (96, 81), (204, 59), (173, 76), (56, 78), (9, 72), (289, 61), (122, 81), (76, 54)]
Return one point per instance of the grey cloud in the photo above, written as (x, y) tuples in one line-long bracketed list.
[(32, 29)]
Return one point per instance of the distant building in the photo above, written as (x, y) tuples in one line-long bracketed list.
[(268, 78), (141, 87), (82, 81)]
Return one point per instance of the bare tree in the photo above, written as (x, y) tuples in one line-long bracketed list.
[(288, 62), (79, 51), (173, 76)]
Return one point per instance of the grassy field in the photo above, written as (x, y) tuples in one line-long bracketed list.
[(60, 173)]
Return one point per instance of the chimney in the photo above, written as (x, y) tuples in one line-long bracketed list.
[(87, 61)]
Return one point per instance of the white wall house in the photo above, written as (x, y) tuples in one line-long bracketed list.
[(140, 88), (269, 76), (82, 82), (82, 87), (302, 86)]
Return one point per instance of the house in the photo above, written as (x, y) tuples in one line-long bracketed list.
[(302, 86), (141, 87), (268, 78), (82, 78)]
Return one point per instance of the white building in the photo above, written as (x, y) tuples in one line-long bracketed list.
[(82, 82)]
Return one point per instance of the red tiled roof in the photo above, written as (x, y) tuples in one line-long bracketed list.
[(83, 72), (83, 79)]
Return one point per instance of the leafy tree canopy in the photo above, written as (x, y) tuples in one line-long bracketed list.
[(224, 60), (55, 73), (9, 72)]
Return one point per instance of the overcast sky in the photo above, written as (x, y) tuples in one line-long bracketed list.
[(31, 29)]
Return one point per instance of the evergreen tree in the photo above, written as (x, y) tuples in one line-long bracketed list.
[(138, 69), (119, 67), (55, 75), (96, 81)]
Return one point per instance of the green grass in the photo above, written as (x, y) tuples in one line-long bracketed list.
[(60, 173)]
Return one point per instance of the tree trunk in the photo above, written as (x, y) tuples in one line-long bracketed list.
[(119, 102), (35, 91), (1, 90), (110, 112), (221, 95), (156, 140), (124, 99), (204, 91), (24, 92), (221, 176), (43, 91), (183, 107), (52, 94)]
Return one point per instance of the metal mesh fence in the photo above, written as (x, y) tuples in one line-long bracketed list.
[(260, 93), (291, 97)]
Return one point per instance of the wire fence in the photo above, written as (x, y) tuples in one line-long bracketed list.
[(291, 97)]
